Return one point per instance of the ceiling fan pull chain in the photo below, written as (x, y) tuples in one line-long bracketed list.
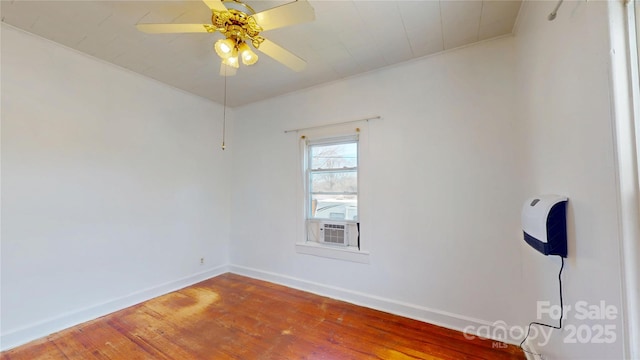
[(224, 111)]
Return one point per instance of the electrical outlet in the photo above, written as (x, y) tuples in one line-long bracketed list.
[(201, 261)]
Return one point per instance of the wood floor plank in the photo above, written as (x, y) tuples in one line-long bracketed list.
[(235, 317), (42, 349)]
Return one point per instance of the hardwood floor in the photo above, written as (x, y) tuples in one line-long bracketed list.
[(234, 317)]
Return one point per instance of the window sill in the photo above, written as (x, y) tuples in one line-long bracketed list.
[(347, 253)]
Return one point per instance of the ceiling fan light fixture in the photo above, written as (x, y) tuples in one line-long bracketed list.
[(231, 61), (241, 26), (248, 56), (225, 48)]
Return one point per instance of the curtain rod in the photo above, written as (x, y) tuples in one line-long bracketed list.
[(333, 124)]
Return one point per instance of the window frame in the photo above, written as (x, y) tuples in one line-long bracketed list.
[(633, 263), (307, 245), (309, 172)]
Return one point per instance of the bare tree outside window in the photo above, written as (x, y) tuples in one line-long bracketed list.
[(333, 181)]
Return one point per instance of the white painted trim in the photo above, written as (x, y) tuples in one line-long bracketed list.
[(626, 161), (432, 316), (445, 319), (392, 66), (110, 64), (45, 327), (343, 253), (522, 12), (531, 352)]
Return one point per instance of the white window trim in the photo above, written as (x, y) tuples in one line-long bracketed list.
[(348, 253), (345, 253), (632, 263), (625, 101)]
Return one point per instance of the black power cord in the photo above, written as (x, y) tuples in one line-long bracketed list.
[(541, 324)]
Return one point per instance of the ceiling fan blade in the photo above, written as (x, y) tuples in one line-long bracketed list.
[(172, 28), (215, 5), (293, 13), (282, 55)]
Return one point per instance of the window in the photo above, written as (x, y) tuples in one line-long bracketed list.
[(332, 180), (332, 219)]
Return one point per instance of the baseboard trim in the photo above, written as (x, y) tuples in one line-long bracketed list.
[(469, 325), (445, 319), (531, 353), (49, 326)]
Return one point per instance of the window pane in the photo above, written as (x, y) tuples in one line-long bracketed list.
[(334, 182), (334, 207), (334, 156)]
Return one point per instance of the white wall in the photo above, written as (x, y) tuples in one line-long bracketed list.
[(113, 183), (113, 188), (465, 138), (563, 86), (440, 183)]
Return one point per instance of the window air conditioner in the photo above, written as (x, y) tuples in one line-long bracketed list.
[(334, 233)]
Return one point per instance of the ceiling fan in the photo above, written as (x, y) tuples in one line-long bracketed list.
[(239, 24)]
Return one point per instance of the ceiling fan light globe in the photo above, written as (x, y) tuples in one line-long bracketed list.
[(224, 48), (231, 61), (248, 56), (250, 59)]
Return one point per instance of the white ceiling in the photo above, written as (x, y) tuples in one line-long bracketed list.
[(348, 37)]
